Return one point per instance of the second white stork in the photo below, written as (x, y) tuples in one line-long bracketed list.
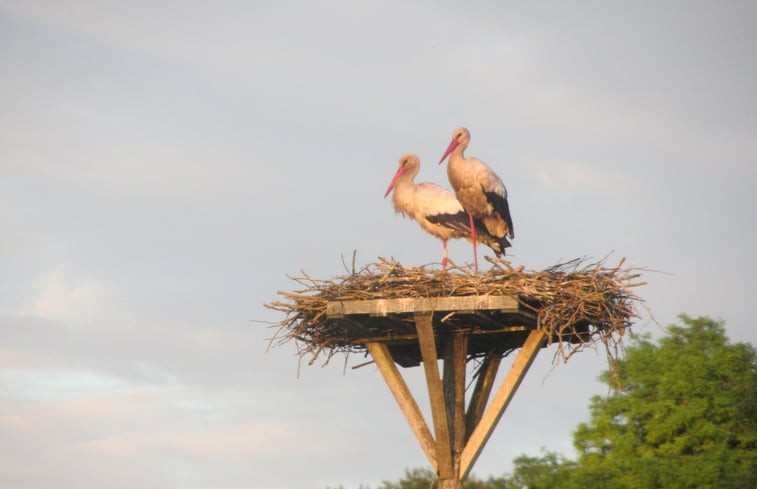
[(479, 190), (436, 209)]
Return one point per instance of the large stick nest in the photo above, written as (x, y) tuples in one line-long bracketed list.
[(578, 303)]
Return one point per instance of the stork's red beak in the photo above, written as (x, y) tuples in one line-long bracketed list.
[(452, 145), (397, 176)]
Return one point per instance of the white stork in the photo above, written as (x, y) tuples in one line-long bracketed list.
[(436, 209), (479, 190)]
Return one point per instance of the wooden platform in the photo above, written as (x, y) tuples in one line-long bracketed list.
[(490, 323), (411, 331)]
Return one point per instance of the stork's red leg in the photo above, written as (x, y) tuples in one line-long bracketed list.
[(473, 238), (444, 260)]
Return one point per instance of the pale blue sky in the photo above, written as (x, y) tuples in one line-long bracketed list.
[(165, 165)]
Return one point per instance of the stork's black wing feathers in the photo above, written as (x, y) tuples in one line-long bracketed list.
[(501, 207), (458, 221), (461, 222)]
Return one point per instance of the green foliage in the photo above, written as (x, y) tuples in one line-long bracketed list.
[(684, 415), (547, 472), (414, 479), (426, 479)]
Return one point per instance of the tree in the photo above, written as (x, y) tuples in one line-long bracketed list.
[(425, 479), (684, 415), (551, 471), (414, 479)]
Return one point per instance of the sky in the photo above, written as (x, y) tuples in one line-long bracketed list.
[(165, 167)]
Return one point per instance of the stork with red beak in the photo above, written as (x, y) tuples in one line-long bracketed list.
[(436, 209), (478, 189)]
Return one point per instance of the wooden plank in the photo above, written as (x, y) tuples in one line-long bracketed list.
[(403, 396), (412, 337), (501, 399), (383, 307), (486, 375), (455, 354), (435, 394)]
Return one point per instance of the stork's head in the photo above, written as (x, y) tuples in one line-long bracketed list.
[(409, 164), (460, 137)]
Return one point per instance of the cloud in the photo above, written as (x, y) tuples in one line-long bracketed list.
[(14, 422), (70, 301), (57, 384), (566, 177), (262, 439), (204, 431)]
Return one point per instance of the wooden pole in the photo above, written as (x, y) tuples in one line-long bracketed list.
[(455, 354), (403, 396), (459, 435), (487, 372), (502, 398), (427, 342)]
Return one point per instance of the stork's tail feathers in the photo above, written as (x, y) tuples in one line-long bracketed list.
[(497, 244)]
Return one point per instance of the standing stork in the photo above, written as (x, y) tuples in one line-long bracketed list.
[(479, 190), (436, 209)]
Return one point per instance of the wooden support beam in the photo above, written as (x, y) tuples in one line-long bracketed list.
[(383, 307), (455, 352), (403, 396), (436, 394), (487, 372), (501, 399), (413, 337)]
